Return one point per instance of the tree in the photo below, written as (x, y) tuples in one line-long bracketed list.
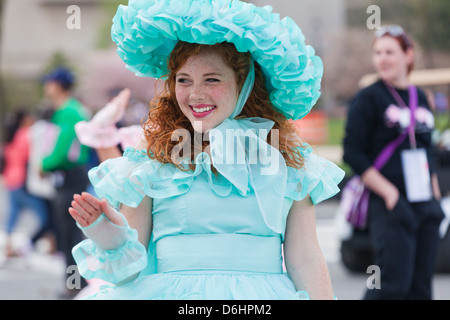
[(432, 29)]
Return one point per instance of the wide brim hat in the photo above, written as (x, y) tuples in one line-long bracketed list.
[(146, 31)]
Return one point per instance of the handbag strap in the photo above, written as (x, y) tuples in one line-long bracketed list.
[(389, 150)]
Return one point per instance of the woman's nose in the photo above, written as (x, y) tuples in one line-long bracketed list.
[(197, 92)]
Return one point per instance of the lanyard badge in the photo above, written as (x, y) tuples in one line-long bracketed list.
[(416, 173)]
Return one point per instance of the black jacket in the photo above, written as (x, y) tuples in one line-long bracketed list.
[(375, 119)]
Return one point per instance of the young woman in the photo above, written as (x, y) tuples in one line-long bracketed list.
[(221, 179), (404, 229)]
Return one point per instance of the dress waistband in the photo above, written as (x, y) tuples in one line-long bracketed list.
[(226, 252)]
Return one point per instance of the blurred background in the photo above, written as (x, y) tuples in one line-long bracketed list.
[(35, 40), (38, 35)]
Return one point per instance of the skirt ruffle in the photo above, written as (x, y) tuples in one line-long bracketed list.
[(203, 286)]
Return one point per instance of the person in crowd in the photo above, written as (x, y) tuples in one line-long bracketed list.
[(68, 158), (17, 159), (404, 210), (43, 135)]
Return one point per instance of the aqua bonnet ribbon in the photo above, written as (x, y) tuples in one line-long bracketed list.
[(245, 91), (240, 153)]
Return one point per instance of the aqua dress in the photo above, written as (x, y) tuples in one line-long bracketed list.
[(215, 236)]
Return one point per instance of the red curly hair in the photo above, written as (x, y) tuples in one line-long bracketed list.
[(165, 116)]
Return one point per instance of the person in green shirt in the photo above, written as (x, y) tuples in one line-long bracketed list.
[(67, 161), (67, 152)]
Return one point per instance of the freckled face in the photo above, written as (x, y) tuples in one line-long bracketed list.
[(206, 90)]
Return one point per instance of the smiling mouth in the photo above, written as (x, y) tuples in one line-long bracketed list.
[(201, 111)]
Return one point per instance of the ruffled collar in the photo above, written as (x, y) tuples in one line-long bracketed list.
[(244, 160)]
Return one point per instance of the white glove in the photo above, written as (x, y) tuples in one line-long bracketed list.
[(99, 221), (114, 111), (100, 131), (105, 234)]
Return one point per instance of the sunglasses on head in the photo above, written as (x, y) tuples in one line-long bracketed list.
[(394, 31)]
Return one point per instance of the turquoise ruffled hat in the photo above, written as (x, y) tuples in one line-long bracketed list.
[(146, 31)]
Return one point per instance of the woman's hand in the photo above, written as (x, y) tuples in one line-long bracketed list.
[(391, 197), (378, 184), (86, 209)]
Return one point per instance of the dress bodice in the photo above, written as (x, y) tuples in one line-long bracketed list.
[(201, 211), (200, 201)]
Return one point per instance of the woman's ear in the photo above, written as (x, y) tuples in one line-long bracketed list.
[(410, 57)]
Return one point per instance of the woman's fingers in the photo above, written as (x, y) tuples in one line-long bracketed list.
[(90, 206), (85, 209), (91, 199), (78, 218), (104, 207)]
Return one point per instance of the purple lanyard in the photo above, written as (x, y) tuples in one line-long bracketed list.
[(387, 152), (413, 102)]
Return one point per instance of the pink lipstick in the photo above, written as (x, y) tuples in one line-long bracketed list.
[(202, 110)]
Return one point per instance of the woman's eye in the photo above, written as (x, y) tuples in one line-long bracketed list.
[(212, 80), (182, 80)]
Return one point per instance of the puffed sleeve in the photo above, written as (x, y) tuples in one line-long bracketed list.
[(130, 178), (318, 177), (113, 253)]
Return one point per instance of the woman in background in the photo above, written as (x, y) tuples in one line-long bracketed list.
[(403, 229)]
